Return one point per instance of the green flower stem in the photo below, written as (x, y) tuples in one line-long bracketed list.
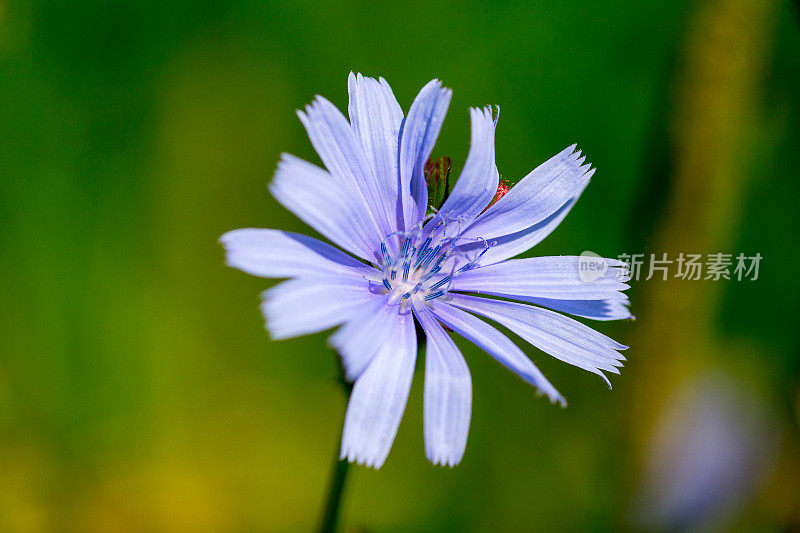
[(333, 502)]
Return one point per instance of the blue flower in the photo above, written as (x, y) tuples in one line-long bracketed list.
[(441, 269)]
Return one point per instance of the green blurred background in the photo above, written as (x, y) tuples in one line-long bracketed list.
[(138, 389)]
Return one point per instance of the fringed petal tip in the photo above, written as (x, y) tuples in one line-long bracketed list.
[(276, 326), (435, 85), (619, 271), (445, 93), (270, 320), (555, 398), (352, 456), (319, 102), (445, 461), (613, 367), (553, 395), (618, 310), (357, 77), (573, 159), (488, 113)]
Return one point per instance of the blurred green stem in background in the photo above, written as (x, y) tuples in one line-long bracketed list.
[(715, 124), (333, 501), (716, 131)]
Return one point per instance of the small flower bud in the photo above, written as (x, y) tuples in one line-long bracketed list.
[(437, 175)]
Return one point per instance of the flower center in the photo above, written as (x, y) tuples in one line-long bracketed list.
[(422, 263)]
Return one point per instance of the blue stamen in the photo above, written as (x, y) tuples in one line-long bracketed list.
[(440, 260), (386, 284), (406, 244), (440, 283), (422, 257), (385, 253), (431, 255), (425, 245), (432, 273), (434, 295)]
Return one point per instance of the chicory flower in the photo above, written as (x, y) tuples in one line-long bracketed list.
[(397, 263)]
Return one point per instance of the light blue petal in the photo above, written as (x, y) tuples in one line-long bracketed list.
[(421, 128), (511, 245), (549, 189), (477, 184), (308, 305), (271, 253), (339, 148), (560, 336), (448, 393), (379, 397), (497, 345), (358, 341), (377, 119), (594, 309), (543, 277), (530, 211), (317, 199)]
